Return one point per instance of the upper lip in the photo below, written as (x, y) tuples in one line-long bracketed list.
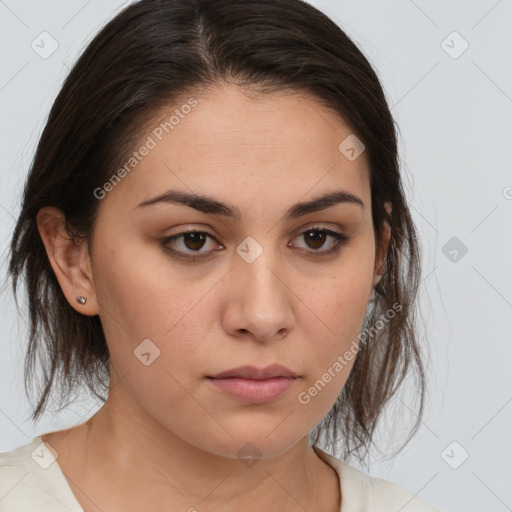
[(251, 372)]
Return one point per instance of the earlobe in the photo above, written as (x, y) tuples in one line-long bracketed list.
[(69, 260)]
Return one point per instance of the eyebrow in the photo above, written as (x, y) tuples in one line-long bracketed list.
[(211, 206)]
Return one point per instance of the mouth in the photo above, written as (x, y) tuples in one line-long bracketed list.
[(253, 373), (254, 386)]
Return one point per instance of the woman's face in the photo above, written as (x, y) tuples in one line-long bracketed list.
[(258, 287)]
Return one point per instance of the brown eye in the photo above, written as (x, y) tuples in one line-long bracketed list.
[(188, 245), (315, 238), (194, 240)]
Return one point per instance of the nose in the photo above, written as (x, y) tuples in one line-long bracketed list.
[(258, 299)]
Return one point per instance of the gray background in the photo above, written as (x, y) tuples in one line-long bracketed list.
[(454, 109)]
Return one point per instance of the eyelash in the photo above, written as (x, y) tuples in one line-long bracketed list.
[(339, 242)]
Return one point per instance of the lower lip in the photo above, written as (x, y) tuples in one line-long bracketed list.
[(254, 391)]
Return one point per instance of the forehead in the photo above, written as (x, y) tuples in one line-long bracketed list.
[(238, 148)]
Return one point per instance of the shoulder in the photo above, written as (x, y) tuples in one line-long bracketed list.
[(396, 497), (31, 479), (14, 477), (362, 492)]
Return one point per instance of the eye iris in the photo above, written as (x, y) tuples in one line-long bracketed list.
[(194, 238), (318, 238)]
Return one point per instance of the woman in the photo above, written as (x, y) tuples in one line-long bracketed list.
[(214, 232)]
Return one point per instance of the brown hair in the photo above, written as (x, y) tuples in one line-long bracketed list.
[(150, 54)]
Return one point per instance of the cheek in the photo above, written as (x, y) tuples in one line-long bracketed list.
[(338, 300), (332, 317), (330, 353), (147, 307), (138, 289), (153, 333)]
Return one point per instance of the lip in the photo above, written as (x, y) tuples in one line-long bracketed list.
[(253, 373), (255, 386)]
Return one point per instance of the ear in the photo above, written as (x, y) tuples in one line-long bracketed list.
[(70, 262), (383, 249)]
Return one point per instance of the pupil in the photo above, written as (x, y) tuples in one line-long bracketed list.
[(320, 235), (195, 238)]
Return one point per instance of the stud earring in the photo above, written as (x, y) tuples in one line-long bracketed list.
[(81, 300)]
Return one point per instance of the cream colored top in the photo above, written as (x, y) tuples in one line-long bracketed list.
[(31, 480)]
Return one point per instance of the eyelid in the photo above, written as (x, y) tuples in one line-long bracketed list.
[(340, 240)]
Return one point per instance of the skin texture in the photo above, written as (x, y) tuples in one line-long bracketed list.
[(166, 439)]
